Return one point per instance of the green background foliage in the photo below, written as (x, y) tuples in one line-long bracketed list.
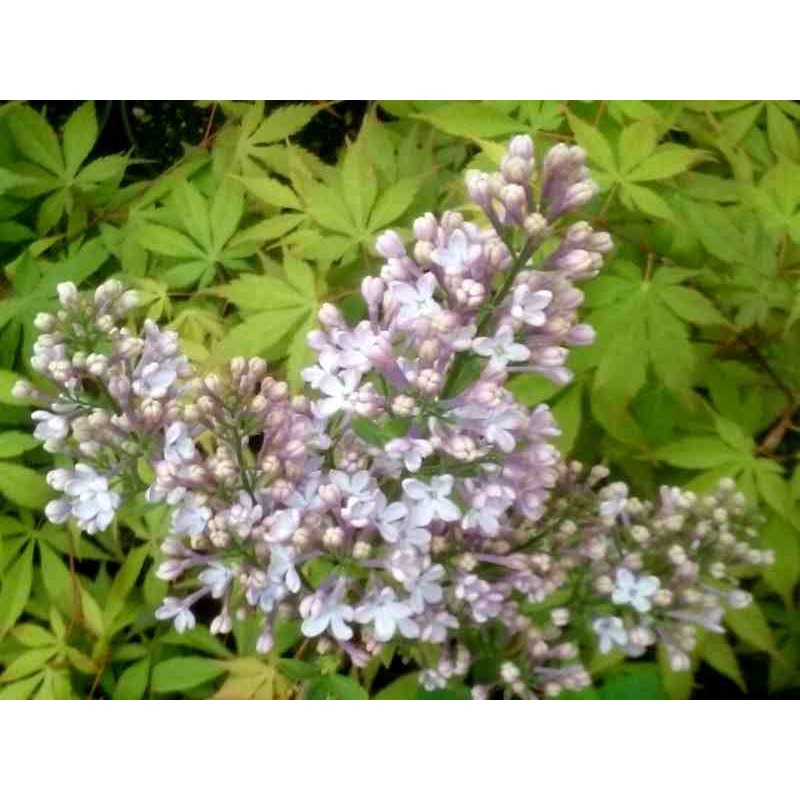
[(237, 240)]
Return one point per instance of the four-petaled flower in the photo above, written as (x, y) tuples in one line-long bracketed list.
[(528, 305), (610, 631), (321, 611), (632, 591), (501, 348), (415, 300), (411, 451), (430, 501), (388, 614)]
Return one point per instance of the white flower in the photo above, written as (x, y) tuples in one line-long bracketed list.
[(457, 255), (92, 502), (339, 390), (389, 517), (426, 587), (216, 577), (51, 429), (178, 444), (500, 425), (488, 505), (430, 501), (155, 379), (436, 626), (174, 608), (416, 300), (243, 514), (284, 524), (528, 305), (633, 591), (610, 631), (190, 518), (282, 569), (326, 367), (58, 511), (614, 498), (360, 492), (321, 612), (411, 451), (388, 614), (501, 348), (357, 345)]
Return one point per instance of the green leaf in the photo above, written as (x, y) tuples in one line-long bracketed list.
[(594, 143), (719, 654), (636, 143), (259, 293), (567, 412), (58, 581), (471, 120), (16, 589), (697, 452), (7, 381), (647, 201), (33, 636), (272, 192), (406, 687), (669, 160), (750, 626), (14, 443), (30, 661), (132, 683), (359, 183), (180, 674), (690, 305), (782, 134), (124, 582), (168, 242), (259, 332), (80, 134), (35, 139), (336, 687), (678, 684), (633, 682), (268, 229), (227, 208), (328, 208), (297, 669), (394, 202), (23, 485), (193, 212), (784, 541), (284, 122)]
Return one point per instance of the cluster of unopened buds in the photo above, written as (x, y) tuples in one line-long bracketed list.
[(408, 498)]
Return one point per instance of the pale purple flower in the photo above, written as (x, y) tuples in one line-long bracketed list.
[(632, 591), (457, 255), (175, 608), (190, 517), (92, 502), (284, 524), (425, 588), (411, 451), (217, 578), (340, 391), (501, 348), (282, 568), (51, 429), (528, 305), (322, 611), (610, 632), (430, 501), (415, 300), (389, 517), (178, 444), (327, 366), (387, 614)]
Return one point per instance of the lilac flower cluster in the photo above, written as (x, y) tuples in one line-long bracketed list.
[(409, 497)]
